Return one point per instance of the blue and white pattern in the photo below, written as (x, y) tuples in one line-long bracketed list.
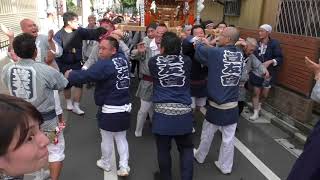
[(231, 73), (171, 73), (22, 82), (123, 79)]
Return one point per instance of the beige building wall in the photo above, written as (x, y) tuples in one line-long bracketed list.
[(270, 9), (252, 14)]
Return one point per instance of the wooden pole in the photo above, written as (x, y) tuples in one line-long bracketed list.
[(125, 27)]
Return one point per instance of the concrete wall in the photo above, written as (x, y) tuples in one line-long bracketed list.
[(291, 104)]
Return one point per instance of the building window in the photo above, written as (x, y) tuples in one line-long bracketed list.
[(232, 7), (301, 17)]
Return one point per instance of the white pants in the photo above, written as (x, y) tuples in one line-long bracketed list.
[(57, 102), (56, 151), (107, 147), (227, 145), (145, 109), (198, 102)]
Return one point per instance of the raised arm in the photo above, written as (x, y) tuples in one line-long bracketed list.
[(10, 35), (201, 53), (93, 57), (139, 53), (97, 72), (55, 50), (91, 34)]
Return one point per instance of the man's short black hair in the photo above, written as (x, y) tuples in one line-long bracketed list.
[(105, 20), (152, 25), (68, 16), (24, 45), (221, 22), (118, 20), (171, 43), (114, 43), (196, 27), (162, 25)]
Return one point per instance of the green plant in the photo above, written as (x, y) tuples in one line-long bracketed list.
[(71, 6), (91, 5), (128, 3)]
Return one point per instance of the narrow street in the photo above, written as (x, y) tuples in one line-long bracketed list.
[(258, 155)]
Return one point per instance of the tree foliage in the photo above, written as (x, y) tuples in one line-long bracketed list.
[(71, 6), (128, 3), (91, 5)]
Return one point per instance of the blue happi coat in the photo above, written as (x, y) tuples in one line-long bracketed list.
[(171, 84), (112, 88), (199, 72), (224, 71), (273, 51)]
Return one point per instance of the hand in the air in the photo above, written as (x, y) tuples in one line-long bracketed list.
[(50, 35), (6, 31), (314, 67)]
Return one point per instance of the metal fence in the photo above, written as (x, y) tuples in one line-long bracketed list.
[(301, 17), (11, 12), (4, 46)]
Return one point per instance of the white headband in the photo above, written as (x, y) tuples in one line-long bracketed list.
[(187, 27), (266, 27), (210, 24)]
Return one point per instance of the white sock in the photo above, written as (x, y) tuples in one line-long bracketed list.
[(76, 104), (69, 101)]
